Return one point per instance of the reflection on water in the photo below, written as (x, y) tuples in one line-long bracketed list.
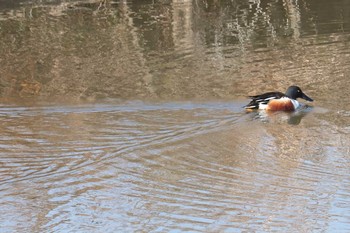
[(186, 166), (173, 50), (128, 116), (293, 118)]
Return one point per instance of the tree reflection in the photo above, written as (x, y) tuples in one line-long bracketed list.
[(149, 49)]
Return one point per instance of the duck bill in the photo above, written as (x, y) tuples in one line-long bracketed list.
[(305, 97)]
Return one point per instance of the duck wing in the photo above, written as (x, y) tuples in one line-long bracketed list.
[(263, 99)]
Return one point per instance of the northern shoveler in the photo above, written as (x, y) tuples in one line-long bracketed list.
[(277, 101)]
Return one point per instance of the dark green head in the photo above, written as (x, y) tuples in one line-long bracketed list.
[(295, 92)]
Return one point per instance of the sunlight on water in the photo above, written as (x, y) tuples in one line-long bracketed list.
[(192, 166)]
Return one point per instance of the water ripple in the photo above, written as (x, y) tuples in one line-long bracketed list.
[(188, 166)]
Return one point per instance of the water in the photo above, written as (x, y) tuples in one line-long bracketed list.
[(127, 116)]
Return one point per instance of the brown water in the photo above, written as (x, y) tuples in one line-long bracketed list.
[(127, 116)]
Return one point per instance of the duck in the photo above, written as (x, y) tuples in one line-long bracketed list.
[(277, 101)]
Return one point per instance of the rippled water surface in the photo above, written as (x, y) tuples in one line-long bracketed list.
[(126, 116)]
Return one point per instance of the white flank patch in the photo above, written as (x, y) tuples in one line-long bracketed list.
[(262, 106), (295, 103)]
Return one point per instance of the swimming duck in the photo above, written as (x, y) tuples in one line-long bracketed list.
[(277, 101)]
